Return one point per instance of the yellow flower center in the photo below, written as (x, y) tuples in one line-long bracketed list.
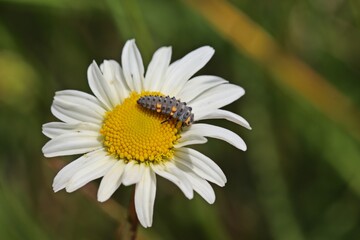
[(132, 132)]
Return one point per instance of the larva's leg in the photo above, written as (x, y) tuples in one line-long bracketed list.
[(166, 120)]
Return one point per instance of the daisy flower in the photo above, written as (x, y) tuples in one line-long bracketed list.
[(125, 143)]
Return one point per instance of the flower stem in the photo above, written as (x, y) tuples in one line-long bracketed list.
[(134, 222)]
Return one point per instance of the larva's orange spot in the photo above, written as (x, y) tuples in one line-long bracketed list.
[(158, 107), (173, 110)]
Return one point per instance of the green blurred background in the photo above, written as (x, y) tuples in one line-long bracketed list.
[(299, 178)]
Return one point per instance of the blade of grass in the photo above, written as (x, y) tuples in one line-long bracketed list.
[(130, 23), (288, 71), (16, 219), (65, 4), (265, 164)]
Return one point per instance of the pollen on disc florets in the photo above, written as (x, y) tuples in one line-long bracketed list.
[(131, 132)]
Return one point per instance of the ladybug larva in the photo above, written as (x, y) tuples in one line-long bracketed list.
[(169, 106)]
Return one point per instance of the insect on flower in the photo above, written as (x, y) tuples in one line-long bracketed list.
[(169, 106)]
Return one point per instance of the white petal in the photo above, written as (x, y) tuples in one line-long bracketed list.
[(114, 84), (197, 85), (133, 173), (207, 130), (111, 181), (72, 143), (201, 165), (79, 97), (74, 106), (145, 192), (55, 129), (190, 140), (101, 87), (180, 72), (124, 88), (113, 73), (158, 65), (65, 174), (216, 97), (223, 114), (91, 171), (175, 175), (133, 67), (201, 186)]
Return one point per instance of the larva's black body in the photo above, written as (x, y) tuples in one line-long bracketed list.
[(169, 106)]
